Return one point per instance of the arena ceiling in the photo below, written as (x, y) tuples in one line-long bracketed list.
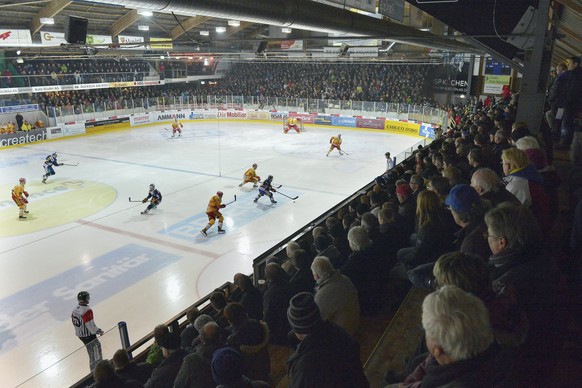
[(478, 26)]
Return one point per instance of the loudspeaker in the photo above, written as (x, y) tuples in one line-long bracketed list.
[(344, 50), (262, 47), (77, 30)]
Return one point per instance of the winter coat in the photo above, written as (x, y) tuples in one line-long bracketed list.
[(337, 299)]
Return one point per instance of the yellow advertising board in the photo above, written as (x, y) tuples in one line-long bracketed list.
[(161, 43), (401, 128), (258, 115)]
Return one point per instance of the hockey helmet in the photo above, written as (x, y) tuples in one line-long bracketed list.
[(339, 135), (270, 177), (152, 187), (255, 165), (22, 180), (219, 193), (83, 296), (54, 154)]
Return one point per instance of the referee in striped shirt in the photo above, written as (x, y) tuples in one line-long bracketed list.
[(86, 329)]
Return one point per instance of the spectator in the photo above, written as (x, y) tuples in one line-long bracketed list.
[(335, 295), (323, 247), (326, 357), (190, 333), (441, 186), (302, 280), (195, 371), (557, 98), (155, 354), (19, 121), (250, 296), (573, 108), (105, 377), (460, 341), (228, 368), (251, 338), (488, 185), (218, 303), (275, 302), (165, 374), (129, 370), (406, 207)]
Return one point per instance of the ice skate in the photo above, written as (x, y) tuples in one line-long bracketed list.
[(26, 212), (273, 201), (203, 231), (43, 179), (20, 218), (240, 184), (220, 230), (144, 212), (256, 199)]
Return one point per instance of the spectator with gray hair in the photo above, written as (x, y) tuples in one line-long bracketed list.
[(366, 270), (190, 333), (335, 295), (460, 341), (489, 186)]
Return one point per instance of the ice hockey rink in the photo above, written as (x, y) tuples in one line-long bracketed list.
[(82, 233)]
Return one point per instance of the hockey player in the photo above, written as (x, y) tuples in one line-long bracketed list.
[(49, 162), (156, 199), (292, 123), (266, 189), (19, 196), (177, 127), (213, 212), (335, 143), (86, 330), (251, 176)]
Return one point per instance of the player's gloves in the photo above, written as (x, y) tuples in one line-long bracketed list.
[(24, 200), (99, 332), (61, 164), (26, 194), (222, 206), (144, 200), (273, 190)]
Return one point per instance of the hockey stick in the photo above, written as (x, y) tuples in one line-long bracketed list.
[(71, 164), (278, 187), (231, 201), (293, 198), (345, 152), (133, 201)]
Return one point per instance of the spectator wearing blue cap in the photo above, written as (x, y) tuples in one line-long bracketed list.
[(468, 212), (227, 370)]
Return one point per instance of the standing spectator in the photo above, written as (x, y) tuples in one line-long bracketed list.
[(19, 121), (389, 161), (86, 329), (8, 75), (326, 357), (573, 104), (335, 295), (557, 98)]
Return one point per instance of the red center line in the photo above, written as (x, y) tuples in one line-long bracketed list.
[(211, 255)]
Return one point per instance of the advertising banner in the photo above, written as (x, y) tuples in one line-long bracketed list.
[(54, 132), (427, 130), (305, 117), (341, 121), (171, 115), (322, 120), (9, 91), (494, 83), (229, 114), (402, 128), (99, 39), (52, 38), (139, 119), (452, 76), (131, 42), (392, 8), (42, 89), (19, 108), (364, 5), (15, 38), (279, 116), (73, 128), (103, 85), (111, 123), (292, 45), (370, 123), (258, 115), (161, 43), (23, 137)]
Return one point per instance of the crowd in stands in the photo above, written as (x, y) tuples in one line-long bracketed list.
[(330, 81), (39, 72), (465, 218)]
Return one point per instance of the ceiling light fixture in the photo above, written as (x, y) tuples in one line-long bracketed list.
[(220, 29), (286, 30), (234, 23), (143, 28), (145, 12), (204, 33), (18, 52), (47, 20)]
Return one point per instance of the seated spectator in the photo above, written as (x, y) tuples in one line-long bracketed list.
[(251, 338), (519, 261), (129, 370), (366, 269), (323, 247), (105, 377), (441, 186), (250, 296), (390, 230), (339, 239), (195, 371), (468, 212), (155, 355), (165, 374), (335, 295), (491, 189), (199, 323), (275, 302), (326, 357), (290, 249), (460, 341), (190, 333), (470, 273), (302, 280), (407, 206), (524, 181), (218, 303), (228, 370)]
